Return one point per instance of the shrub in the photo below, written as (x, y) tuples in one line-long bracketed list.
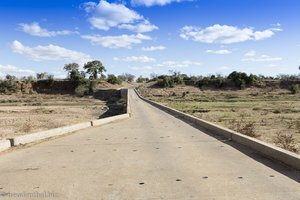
[(178, 80), (92, 86), (244, 127), (166, 81), (81, 90), (295, 89), (9, 85), (241, 79), (27, 126), (141, 79), (286, 141), (50, 80), (113, 79)]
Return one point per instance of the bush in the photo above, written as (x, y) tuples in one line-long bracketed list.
[(92, 86), (244, 127), (9, 85), (295, 89), (241, 79), (141, 79), (112, 79), (50, 80), (166, 82), (178, 80), (286, 141), (81, 90)]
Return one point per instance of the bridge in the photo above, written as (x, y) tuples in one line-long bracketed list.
[(152, 155)]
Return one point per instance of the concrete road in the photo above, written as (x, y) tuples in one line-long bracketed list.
[(150, 156)]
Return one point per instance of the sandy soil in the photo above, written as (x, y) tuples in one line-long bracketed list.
[(23, 114)]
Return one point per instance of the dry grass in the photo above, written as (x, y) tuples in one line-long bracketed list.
[(22, 114), (286, 141), (260, 113)]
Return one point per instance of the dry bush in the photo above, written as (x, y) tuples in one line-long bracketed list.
[(244, 127), (27, 126), (286, 141), (298, 126)]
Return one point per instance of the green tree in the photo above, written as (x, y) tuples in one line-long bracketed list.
[(94, 68), (42, 75), (73, 70), (113, 79), (141, 79), (71, 67), (129, 77)]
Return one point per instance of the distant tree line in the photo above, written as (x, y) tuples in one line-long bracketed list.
[(85, 81), (239, 80)]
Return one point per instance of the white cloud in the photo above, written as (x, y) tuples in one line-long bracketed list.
[(149, 3), (224, 34), (221, 52), (153, 48), (50, 52), (144, 68), (106, 15), (260, 35), (166, 65), (140, 27), (252, 57), (15, 71), (121, 41), (141, 59), (178, 64), (35, 29), (250, 53)]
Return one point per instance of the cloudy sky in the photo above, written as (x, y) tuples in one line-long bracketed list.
[(195, 37)]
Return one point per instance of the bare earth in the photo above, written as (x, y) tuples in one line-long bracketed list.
[(21, 114), (272, 111)]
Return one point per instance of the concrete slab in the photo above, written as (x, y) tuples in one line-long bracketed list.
[(107, 120), (4, 145)]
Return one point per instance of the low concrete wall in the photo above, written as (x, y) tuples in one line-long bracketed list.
[(268, 150), (107, 120), (24, 139), (4, 145), (125, 95)]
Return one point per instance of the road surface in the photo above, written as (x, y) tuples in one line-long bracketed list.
[(149, 156)]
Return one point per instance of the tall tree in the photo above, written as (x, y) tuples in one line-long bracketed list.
[(71, 67), (42, 75), (129, 77), (94, 68)]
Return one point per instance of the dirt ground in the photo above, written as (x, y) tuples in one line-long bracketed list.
[(269, 112), (21, 114)]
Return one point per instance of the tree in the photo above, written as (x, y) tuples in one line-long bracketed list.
[(113, 79), (141, 79), (71, 67), (73, 70), (122, 77), (42, 75), (129, 77), (94, 68)]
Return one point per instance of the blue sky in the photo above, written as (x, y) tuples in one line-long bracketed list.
[(144, 36)]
